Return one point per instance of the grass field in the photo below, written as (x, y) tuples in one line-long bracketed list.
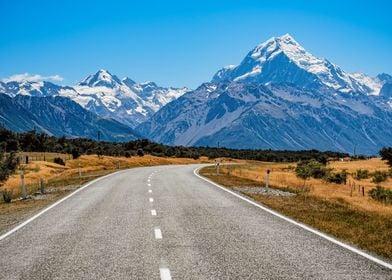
[(283, 176), (357, 219)]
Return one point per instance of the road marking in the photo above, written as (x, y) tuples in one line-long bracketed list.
[(165, 273), (153, 212), (149, 184), (150, 191), (305, 227), (158, 233), (151, 199), (149, 180), (55, 204)]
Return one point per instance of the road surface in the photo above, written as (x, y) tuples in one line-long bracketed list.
[(166, 223)]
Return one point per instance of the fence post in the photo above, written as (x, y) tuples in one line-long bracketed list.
[(41, 185), (24, 191), (363, 191)]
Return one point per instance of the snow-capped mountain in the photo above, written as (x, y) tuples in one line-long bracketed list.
[(280, 97), (59, 116), (105, 94), (283, 60)]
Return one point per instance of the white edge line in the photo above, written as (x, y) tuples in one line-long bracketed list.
[(165, 273), (329, 238), (18, 227), (158, 233)]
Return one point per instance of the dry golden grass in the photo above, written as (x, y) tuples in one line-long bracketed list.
[(283, 176), (90, 165), (369, 230)]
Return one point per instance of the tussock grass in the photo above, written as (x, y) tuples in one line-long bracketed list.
[(283, 176), (369, 230)]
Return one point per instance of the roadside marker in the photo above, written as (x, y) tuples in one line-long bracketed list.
[(305, 227)]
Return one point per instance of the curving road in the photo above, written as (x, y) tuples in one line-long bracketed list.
[(166, 223)]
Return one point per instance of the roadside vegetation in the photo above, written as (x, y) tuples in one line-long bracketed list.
[(33, 141), (340, 198)]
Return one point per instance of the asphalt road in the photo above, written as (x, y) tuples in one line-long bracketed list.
[(162, 222)]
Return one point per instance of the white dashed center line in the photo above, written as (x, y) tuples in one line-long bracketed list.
[(149, 184), (165, 273), (150, 191), (153, 212), (158, 233), (151, 199)]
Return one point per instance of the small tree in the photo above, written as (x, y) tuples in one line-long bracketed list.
[(303, 171), (140, 152), (75, 153), (386, 154)]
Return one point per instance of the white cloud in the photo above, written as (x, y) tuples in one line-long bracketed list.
[(32, 78)]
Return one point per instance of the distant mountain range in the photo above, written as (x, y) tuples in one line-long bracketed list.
[(105, 94), (279, 97), (60, 116)]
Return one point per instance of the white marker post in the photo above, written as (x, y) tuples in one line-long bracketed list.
[(24, 191), (267, 177), (217, 168)]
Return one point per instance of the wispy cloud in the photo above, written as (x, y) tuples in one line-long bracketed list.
[(33, 78)]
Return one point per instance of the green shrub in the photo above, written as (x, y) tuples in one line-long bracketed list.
[(311, 168), (127, 154), (379, 176), (381, 194), (59, 161), (362, 174), (337, 178), (7, 196), (386, 154), (140, 152)]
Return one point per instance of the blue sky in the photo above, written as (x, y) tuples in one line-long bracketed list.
[(183, 43)]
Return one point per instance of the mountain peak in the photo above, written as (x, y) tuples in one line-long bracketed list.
[(101, 78), (283, 60)]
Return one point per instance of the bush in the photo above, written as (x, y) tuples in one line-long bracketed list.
[(127, 154), (140, 152), (7, 196), (381, 194), (310, 168), (8, 164), (362, 174), (386, 154), (337, 178), (59, 161), (379, 176), (75, 153)]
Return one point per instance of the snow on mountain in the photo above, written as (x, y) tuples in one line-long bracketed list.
[(250, 115), (282, 59), (280, 97), (104, 94), (125, 100)]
